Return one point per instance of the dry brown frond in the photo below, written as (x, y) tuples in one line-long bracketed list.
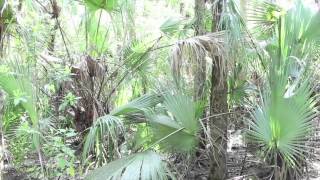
[(186, 54)]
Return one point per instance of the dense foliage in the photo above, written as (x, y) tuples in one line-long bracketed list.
[(149, 89)]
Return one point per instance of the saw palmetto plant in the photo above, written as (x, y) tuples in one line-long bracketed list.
[(174, 130), (282, 123)]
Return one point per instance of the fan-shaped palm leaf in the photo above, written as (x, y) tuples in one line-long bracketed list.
[(138, 105), (141, 166), (104, 126), (299, 28), (173, 26), (136, 56), (282, 122), (112, 126), (262, 15), (176, 131)]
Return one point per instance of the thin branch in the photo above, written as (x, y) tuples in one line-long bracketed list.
[(61, 32), (216, 115), (161, 47)]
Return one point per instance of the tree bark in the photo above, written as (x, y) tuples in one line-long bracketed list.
[(200, 69), (218, 104), (55, 14)]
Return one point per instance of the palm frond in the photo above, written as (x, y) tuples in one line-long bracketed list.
[(299, 28), (178, 130), (141, 166), (136, 56), (262, 15), (173, 26), (107, 5), (189, 52), (138, 105), (112, 126), (283, 120), (108, 125)]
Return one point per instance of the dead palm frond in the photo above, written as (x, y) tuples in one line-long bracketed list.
[(189, 52)]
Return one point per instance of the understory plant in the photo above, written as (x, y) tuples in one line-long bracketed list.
[(172, 120), (282, 123)]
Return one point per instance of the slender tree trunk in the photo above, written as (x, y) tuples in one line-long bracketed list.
[(55, 14), (200, 69), (218, 104)]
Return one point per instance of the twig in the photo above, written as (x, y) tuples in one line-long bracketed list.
[(61, 32), (216, 115)]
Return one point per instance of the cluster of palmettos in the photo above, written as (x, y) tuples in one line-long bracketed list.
[(170, 121)]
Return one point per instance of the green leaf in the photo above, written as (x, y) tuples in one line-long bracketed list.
[(140, 166), (62, 163), (71, 171), (171, 26), (313, 30), (282, 123), (17, 84), (179, 131), (138, 105), (108, 5), (104, 126)]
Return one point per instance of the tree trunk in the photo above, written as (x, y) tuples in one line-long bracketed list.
[(55, 14), (200, 69), (218, 105)]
